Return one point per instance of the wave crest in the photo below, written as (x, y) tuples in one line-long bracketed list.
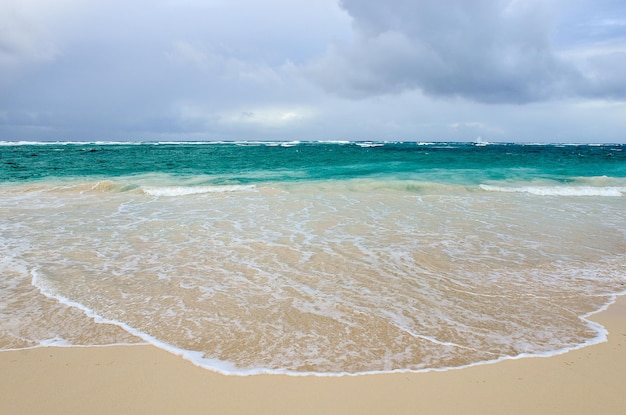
[(559, 190), (173, 191)]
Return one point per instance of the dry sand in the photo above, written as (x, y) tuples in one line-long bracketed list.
[(146, 380)]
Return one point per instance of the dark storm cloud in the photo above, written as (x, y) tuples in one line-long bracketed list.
[(484, 50)]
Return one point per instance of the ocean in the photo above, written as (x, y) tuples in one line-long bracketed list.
[(321, 258)]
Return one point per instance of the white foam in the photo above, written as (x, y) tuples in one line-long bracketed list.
[(195, 357), (341, 142), (369, 144), (63, 143), (290, 144), (253, 242), (173, 191), (55, 341), (229, 368), (559, 190)]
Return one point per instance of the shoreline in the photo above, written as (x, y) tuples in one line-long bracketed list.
[(143, 379)]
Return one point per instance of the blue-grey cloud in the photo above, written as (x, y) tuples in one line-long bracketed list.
[(116, 68), (490, 51), (242, 69)]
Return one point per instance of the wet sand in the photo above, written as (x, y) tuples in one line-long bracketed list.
[(146, 380)]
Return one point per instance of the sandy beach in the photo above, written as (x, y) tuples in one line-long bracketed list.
[(146, 380)]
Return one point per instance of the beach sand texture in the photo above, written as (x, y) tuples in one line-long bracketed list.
[(146, 380)]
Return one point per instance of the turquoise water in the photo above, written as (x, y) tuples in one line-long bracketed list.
[(222, 163), (325, 258)]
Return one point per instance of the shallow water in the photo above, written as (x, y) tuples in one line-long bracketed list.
[(337, 258)]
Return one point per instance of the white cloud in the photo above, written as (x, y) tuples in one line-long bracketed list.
[(36, 30), (478, 127), (184, 52), (272, 117), (22, 38), (261, 116), (213, 63)]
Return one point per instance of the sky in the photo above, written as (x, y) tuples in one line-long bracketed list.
[(410, 70)]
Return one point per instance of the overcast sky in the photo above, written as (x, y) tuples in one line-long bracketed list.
[(427, 70)]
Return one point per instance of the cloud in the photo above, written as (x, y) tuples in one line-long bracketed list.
[(272, 117), (604, 74), (242, 69), (184, 52), (21, 38), (477, 126), (268, 116), (221, 64), (490, 51)]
